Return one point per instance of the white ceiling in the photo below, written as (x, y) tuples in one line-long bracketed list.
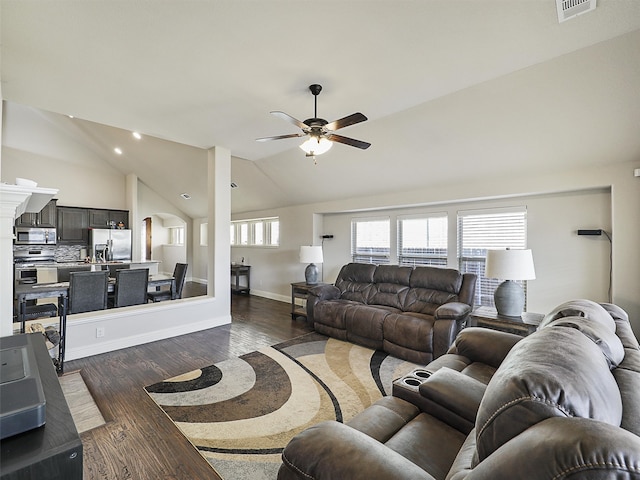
[(452, 88)]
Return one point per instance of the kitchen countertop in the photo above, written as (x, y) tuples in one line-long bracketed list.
[(115, 262)]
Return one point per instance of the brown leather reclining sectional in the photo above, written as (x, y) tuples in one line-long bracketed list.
[(562, 403), (410, 313)]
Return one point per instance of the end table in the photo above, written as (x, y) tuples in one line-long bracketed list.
[(300, 291), (488, 317)]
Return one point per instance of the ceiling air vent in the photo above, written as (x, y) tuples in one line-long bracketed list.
[(568, 9)]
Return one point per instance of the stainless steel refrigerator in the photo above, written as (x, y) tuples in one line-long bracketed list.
[(110, 244)]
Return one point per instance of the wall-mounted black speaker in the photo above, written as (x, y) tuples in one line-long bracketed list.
[(590, 232)]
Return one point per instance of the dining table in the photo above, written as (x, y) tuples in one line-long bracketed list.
[(60, 290)]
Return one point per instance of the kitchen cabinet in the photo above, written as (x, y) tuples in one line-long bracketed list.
[(73, 225), (103, 218), (45, 218)]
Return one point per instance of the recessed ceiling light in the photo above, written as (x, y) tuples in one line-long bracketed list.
[(137, 135), (70, 116), (186, 196), (118, 150)]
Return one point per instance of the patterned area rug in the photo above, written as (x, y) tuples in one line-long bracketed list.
[(241, 413)]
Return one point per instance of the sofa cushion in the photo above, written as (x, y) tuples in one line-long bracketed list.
[(364, 324), (623, 327), (413, 330), (355, 281), (390, 287), (555, 372), (629, 384), (593, 321), (430, 288), (384, 418), (429, 443), (409, 336)]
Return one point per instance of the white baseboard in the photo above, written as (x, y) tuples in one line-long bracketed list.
[(271, 296)]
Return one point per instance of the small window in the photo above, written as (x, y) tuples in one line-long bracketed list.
[(259, 232), (176, 235), (422, 240), (371, 240), (204, 235)]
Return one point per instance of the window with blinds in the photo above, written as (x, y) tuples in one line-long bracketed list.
[(479, 231), (422, 240), (371, 240)]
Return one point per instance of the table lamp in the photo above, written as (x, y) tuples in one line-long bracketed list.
[(311, 255), (509, 265)]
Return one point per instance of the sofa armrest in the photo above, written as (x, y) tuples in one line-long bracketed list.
[(325, 292), (484, 345), (331, 450), (319, 293), (562, 447), (452, 397), (452, 311), (450, 318)]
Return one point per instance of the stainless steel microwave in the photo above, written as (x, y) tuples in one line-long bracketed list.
[(35, 236)]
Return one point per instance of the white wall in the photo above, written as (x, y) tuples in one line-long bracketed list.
[(55, 159), (558, 204)]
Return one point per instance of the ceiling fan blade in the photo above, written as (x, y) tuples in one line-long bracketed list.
[(346, 121), (290, 119), (280, 137), (348, 141)]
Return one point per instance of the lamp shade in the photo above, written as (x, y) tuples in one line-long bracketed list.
[(311, 254), (316, 146), (510, 265)]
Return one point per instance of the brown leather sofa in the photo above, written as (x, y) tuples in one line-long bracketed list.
[(562, 403), (410, 313)]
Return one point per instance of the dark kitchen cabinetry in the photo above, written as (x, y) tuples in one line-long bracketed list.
[(46, 218), (73, 225), (102, 218)]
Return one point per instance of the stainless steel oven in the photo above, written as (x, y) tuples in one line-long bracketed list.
[(35, 266), (35, 236)]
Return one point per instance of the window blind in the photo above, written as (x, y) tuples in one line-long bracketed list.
[(479, 231), (422, 240), (371, 240)]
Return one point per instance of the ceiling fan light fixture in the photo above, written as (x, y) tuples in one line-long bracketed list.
[(316, 145)]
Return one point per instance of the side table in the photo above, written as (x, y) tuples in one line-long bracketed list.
[(54, 450), (238, 271), (488, 317), (300, 291)]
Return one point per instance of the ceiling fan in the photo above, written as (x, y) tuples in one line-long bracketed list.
[(320, 132)]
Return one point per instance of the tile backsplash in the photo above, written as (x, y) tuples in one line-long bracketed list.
[(62, 253)]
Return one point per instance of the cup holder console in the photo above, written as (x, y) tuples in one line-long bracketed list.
[(413, 379)]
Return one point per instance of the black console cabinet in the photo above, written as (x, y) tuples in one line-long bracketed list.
[(53, 451)]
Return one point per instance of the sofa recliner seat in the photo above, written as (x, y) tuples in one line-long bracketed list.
[(413, 313), (561, 403)]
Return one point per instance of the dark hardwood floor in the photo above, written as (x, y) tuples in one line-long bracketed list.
[(138, 441)]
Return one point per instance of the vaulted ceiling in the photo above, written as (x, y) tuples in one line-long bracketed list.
[(451, 88)]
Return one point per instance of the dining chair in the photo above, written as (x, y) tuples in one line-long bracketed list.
[(179, 274), (131, 287), (88, 291)]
